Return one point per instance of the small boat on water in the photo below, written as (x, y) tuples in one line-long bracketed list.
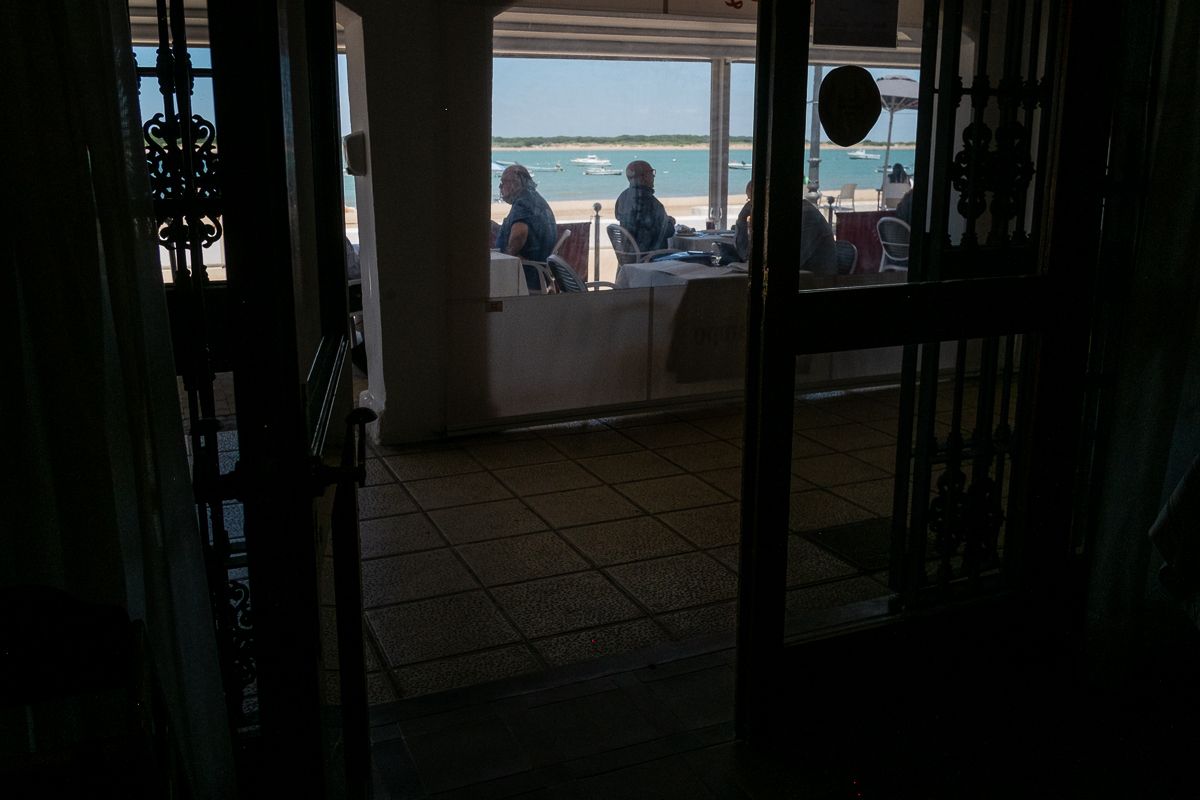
[(740, 165), (591, 160), (863, 155), (498, 166), (601, 171)]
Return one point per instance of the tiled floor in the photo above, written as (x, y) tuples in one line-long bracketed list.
[(492, 556)]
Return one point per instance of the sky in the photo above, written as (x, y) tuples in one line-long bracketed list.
[(579, 97)]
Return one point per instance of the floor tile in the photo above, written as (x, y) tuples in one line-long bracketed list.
[(674, 582), (609, 640), (389, 536), (831, 595), (668, 494), (397, 579), (467, 752), (582, 506), (556, 476), (860, 408), (808, 563), (625, 540), (329, 643), (854, 436), (582, 726), (435, 463), (377, 473), (717, 618), (521, 558), (698, 699), (633, 466), (835, 469), (711, 526), (882, 457), (482, 521), (514, 454), (703, 456), (465, 670), (594, 443), (729, 555), (379, 688), (440, 627), (819, 509), (865, 544), (565, 603), (803, 447), (662, 779), (383, 501), (875, 496), (728, 426), (806, 416), (728, 480), (457, 490), (667, 434)]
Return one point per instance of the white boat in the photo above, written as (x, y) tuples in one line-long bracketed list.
[(740, 165), (591, 160), (863, 155), (601, 171)]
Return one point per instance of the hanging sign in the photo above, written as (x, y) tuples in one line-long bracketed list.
[(856, 23)]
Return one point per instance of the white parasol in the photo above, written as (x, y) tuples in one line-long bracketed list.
[(897, 93)]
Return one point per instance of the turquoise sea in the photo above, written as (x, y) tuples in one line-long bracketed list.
[(679, 173)]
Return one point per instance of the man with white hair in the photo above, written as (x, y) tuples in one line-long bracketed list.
[(639, 211), (529, 230)]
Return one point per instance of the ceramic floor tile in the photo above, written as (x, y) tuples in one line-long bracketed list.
[(835, 469), (854, 436), (383, 501), (610, 640), (729, 555), (875, 496), (882, 457), (482, 521), (831, 595), (803, 447), (717, 618), (465, 670), (439, 627), (582, 726), (728, 480), (582, 506), (674, 582), (377, 473), (397, 579), (703, 456), (711, 526), (379, 688), (457, 490), (565, 603), (860, 408), (625, 540), (808, 563), (806, 416), (817, 509), (594, 443), (728, 426), (667, 434), (469, 751), (521, 558), (634, 466), (519, 453), (542, 478), (436, 463), (669, 494), (389, 536)]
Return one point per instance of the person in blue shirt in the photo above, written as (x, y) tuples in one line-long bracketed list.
[(639, 211), (529, 230)]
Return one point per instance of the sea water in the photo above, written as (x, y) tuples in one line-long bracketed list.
[(678, 173)]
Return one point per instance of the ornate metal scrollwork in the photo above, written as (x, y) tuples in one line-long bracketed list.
[(183, 216), (970, 171), (242, 634)]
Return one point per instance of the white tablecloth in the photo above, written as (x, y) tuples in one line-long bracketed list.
[(666, 273), (701, 240), (508, 277)]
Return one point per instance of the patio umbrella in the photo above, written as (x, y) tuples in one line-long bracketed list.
[(897, 93)]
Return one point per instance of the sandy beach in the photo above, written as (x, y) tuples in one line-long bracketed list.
[(653, 147)]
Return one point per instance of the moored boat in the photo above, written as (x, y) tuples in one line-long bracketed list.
[(863, 155), (591, 160)]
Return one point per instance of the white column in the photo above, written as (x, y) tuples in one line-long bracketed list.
[(718, 139)]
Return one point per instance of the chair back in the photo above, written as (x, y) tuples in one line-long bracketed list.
[(846, 256), (574, 250), (625, 247), (848, 191), (893, 237), (563, 235), (568, 282), (893, 193)]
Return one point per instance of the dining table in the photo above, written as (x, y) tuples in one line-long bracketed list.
[(671, 273), (709, 241), (507, 277)]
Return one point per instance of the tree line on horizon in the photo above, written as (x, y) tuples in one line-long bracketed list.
[(660, 139)]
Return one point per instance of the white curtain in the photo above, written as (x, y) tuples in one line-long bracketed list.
[(95, 498)]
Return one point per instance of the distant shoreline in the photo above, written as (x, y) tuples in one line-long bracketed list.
[(655, 147)]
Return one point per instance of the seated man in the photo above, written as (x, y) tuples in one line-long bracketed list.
[(816, 237), (639, 211), (741, 228), (529, 230)]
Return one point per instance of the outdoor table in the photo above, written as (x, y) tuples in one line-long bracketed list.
[(858, 228), (667, 273), (709, 241), (507, 276)]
